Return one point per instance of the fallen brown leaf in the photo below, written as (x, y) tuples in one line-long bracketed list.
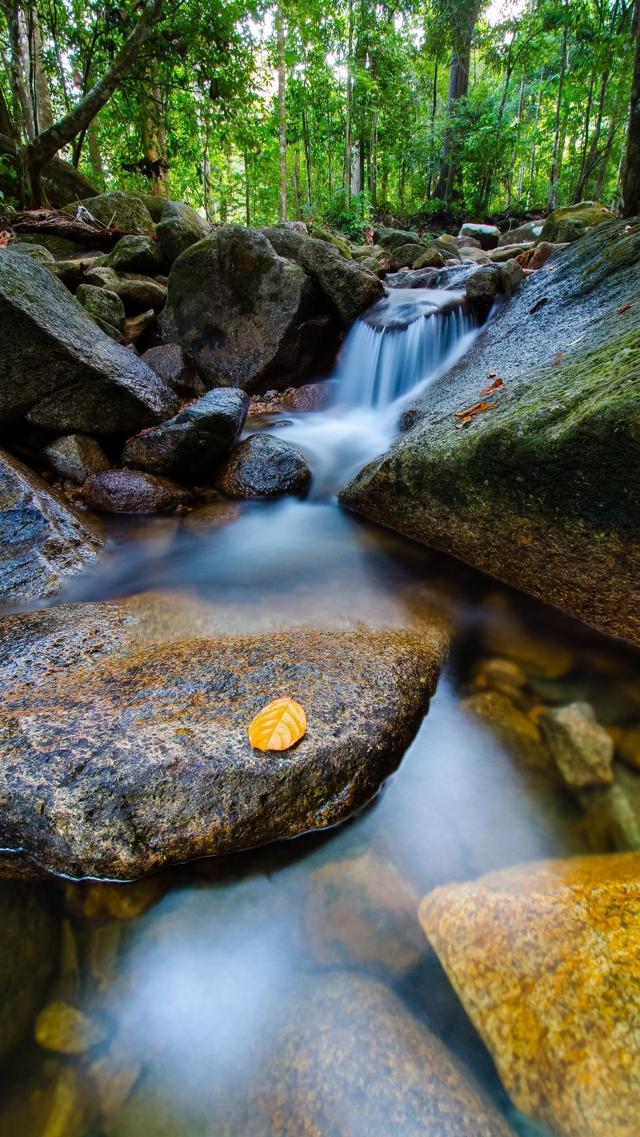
[(495, 386), (624, 308)]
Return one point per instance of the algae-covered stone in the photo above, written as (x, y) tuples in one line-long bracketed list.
[(28, 955), (487, 235), (38, 252), (65, 1029), (393, 239), (545, 958), (119, 210), (238, 310), (437, 254), (136, 254), (143, 719), (572, 221), (102, 304), (59, 369), (542, 489), (179, 227), (582, 749), (42, 539)]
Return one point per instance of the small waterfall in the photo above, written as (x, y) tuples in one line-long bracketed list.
[(398, 344)]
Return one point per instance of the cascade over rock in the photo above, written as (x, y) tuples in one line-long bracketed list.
[(542, 489)]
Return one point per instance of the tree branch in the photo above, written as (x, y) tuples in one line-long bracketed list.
[(47, 144)]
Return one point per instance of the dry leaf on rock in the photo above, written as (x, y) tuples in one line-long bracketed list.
[(477, 408), (495, 386), (278, 726)]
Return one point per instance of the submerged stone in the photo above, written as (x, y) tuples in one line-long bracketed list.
[(132, 491), (545, 959), (140, 719)]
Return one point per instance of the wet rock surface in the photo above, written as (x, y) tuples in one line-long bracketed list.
[(263, 467), (132, 491), (125, 733), (545, 959), (191, 445), (239, 310), (42, 539), (76, 457), (60, 370), (533, 490)]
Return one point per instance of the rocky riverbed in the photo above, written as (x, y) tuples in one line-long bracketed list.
[(448, 947)]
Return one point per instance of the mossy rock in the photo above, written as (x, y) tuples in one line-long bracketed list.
[(437, 254), (38, 252), (119, 210), (179, 227), (334, 239), (540, 490), (102, 305), (572, 221)]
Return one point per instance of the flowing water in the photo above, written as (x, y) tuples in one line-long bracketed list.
[(184, 977)]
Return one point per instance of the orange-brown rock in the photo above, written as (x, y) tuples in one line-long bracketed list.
[(546, 959)]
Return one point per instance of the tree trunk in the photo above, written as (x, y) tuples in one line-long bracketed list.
[(282, 114), (154, 136), (247, 191), (457, 89), (348, 162), (631, 170), (556, 153), (33, 156), (95, 155), (38, 82)]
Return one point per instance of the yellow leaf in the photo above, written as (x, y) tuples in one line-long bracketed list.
[(278, 725)]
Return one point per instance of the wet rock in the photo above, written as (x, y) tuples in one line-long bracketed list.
[(499, 675), (76, 457), (309, 397), (348, 286), (394, 238), (613, 812), (482, 287), (581, 748), (529, 231), (238, 310), (572, 221), (487, 235), (66, 1030), (204, 518), (352, 1060), (264, 466), (101, 304), (191, 445), (28, 955), (119, 210), (140, 293), (135, 326), (533, 491), (179, 227), (437, 254), (126, 695), (132, 491), (361, 912), (136, 254), (38, 252), (405, 256), (628, 745), (59, 369), (168, 361), (43, 539), (517, 731), (115, 901), (545, 959)]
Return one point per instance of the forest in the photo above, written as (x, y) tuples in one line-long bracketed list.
[(338, 114)]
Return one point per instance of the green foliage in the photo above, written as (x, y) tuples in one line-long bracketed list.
[(203, 98)]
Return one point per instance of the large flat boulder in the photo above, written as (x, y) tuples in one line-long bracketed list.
[(243, 314), (123, 732), (42, 540), (542, 489), (59, 369), (545, 958)]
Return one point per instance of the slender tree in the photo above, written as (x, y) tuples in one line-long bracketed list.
[(631, 171)]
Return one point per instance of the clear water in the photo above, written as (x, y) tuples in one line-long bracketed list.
[(186, 975)]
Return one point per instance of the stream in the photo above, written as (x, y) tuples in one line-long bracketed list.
[(184, 976)]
